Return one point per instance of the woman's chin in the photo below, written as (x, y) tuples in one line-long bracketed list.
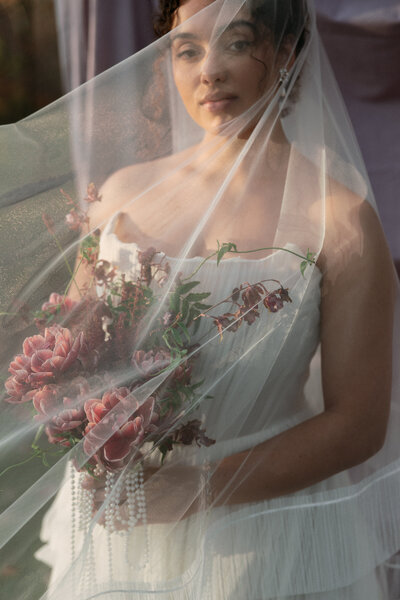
[(224, 125)]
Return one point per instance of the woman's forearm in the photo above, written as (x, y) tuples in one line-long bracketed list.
[(293, 460)]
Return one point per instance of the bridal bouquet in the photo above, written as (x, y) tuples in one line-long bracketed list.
[(84, 371)]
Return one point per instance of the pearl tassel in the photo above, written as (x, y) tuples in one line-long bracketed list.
[(132, 483)]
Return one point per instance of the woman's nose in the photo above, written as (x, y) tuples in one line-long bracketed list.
[(213, 68)]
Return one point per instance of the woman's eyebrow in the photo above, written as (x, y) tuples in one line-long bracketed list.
[(237, 23), (183, 35), (232, 25)]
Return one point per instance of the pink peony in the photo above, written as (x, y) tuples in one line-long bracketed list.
[(63, 404), (45, 356), (62, 412), (46, 401), (52, 354), (18, 386), (152, 362), (117, 423)]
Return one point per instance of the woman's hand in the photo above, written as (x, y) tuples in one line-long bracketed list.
[(172, 492)]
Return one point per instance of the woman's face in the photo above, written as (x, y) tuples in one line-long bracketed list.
[(220, 69)]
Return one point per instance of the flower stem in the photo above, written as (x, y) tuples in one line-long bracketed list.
[(236, 251)]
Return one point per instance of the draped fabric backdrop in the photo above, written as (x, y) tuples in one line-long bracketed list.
[(362, 38)]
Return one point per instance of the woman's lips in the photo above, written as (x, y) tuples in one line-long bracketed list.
[(218, 105)]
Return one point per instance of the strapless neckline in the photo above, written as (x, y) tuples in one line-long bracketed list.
[(134, 247)]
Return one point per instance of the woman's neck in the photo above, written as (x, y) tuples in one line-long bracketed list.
[(219, 152)]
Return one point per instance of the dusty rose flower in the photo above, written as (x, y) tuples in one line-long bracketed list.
[(273, 302), (46, 401), (59, 304), (63, 404), (18, 386), (152, 362), (66, 415), (44, 357), (52, 354), (117, 424), (67, 420), (55, 437), (92, 194)]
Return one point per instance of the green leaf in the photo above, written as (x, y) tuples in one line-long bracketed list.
[(166, 342), (186, 287), (303, 267), (202, 306), (226, 247), (185, 330), (197, 297), (174, 303), (193, 313), (185, 308), (177, 337)]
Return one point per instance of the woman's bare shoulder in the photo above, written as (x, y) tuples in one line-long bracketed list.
[(127, 183)]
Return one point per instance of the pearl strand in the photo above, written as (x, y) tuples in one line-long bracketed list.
[(109, 518), (86, 511), (142, 512), (74, 508)]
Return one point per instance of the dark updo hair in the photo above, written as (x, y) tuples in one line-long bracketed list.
[(281, 17)]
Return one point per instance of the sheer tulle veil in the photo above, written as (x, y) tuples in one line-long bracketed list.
[(186, 181)]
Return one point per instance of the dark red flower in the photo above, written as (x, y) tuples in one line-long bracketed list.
[(273, 302), (252, 296), (284, 294), (190, 433)]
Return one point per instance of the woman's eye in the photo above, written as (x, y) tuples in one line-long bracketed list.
[(239, 45), (187, 53)]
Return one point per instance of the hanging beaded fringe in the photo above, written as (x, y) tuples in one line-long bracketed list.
[(132, 483), (127, 489)]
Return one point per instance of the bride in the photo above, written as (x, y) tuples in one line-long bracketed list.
[(240, 137)]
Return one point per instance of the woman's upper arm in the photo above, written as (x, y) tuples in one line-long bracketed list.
[(357, 309)]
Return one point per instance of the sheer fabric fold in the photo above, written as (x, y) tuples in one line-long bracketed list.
[(236, 194)]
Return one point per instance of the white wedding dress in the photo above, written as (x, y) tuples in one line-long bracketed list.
[(277, 549)]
